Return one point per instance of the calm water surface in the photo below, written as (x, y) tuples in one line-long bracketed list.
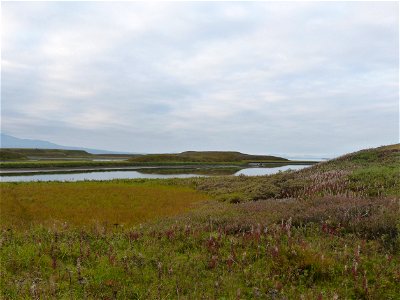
[(269, 171), (109, 175)]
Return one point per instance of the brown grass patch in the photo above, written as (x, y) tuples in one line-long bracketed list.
[(87, 203)]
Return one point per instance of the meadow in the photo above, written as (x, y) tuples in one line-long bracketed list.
[(90, 203), (330, 231)]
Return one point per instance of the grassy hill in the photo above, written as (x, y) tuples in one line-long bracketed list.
[(375, 172), (331, 231), (14, 158), (205, 157), (9, 154), (26, 158), (24, 153)]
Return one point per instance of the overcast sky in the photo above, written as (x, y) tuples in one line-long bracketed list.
[(294, 78)]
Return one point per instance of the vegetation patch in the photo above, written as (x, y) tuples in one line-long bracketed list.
[(88, 203), (331, 231), (11, 155), (47, 152), (206, 157)]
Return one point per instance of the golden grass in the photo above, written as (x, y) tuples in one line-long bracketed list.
[(88, 203)]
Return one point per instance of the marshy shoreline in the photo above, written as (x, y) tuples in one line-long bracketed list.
[(19, 168)]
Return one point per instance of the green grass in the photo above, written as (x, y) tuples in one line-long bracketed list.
[(62, 164), (54, 158), (250, 250), (6, 154), (331, 231), (206, 157), (16, 154), (377, 180), (358, 173), (56, 153)]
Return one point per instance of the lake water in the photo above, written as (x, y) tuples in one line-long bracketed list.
[(269, 171), (109, 175)]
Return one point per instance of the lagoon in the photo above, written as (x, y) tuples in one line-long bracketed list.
[(129, 174)]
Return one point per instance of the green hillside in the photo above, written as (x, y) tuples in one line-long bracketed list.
[(9, 154), (18, 153), (206, 156), (372, 171)]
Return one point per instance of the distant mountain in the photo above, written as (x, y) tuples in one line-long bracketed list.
[(8, 141)]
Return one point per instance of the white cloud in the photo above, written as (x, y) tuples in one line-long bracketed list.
[(174, 76)]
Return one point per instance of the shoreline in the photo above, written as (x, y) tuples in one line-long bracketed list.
[(85, 169)]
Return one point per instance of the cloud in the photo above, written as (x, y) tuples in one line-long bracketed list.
[(161, 77)]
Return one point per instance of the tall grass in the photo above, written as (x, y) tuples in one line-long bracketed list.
[(248, 251)]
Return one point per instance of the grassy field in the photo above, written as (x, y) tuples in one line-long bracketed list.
[(43, 164), (24, 205), (25, 154), (331, 231), (206, 157)]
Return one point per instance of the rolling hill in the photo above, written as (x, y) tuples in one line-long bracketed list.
[(206, 156)]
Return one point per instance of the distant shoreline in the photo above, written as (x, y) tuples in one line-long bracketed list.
[(83, 168)]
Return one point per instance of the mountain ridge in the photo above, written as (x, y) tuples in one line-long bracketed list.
[(9, 141)]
